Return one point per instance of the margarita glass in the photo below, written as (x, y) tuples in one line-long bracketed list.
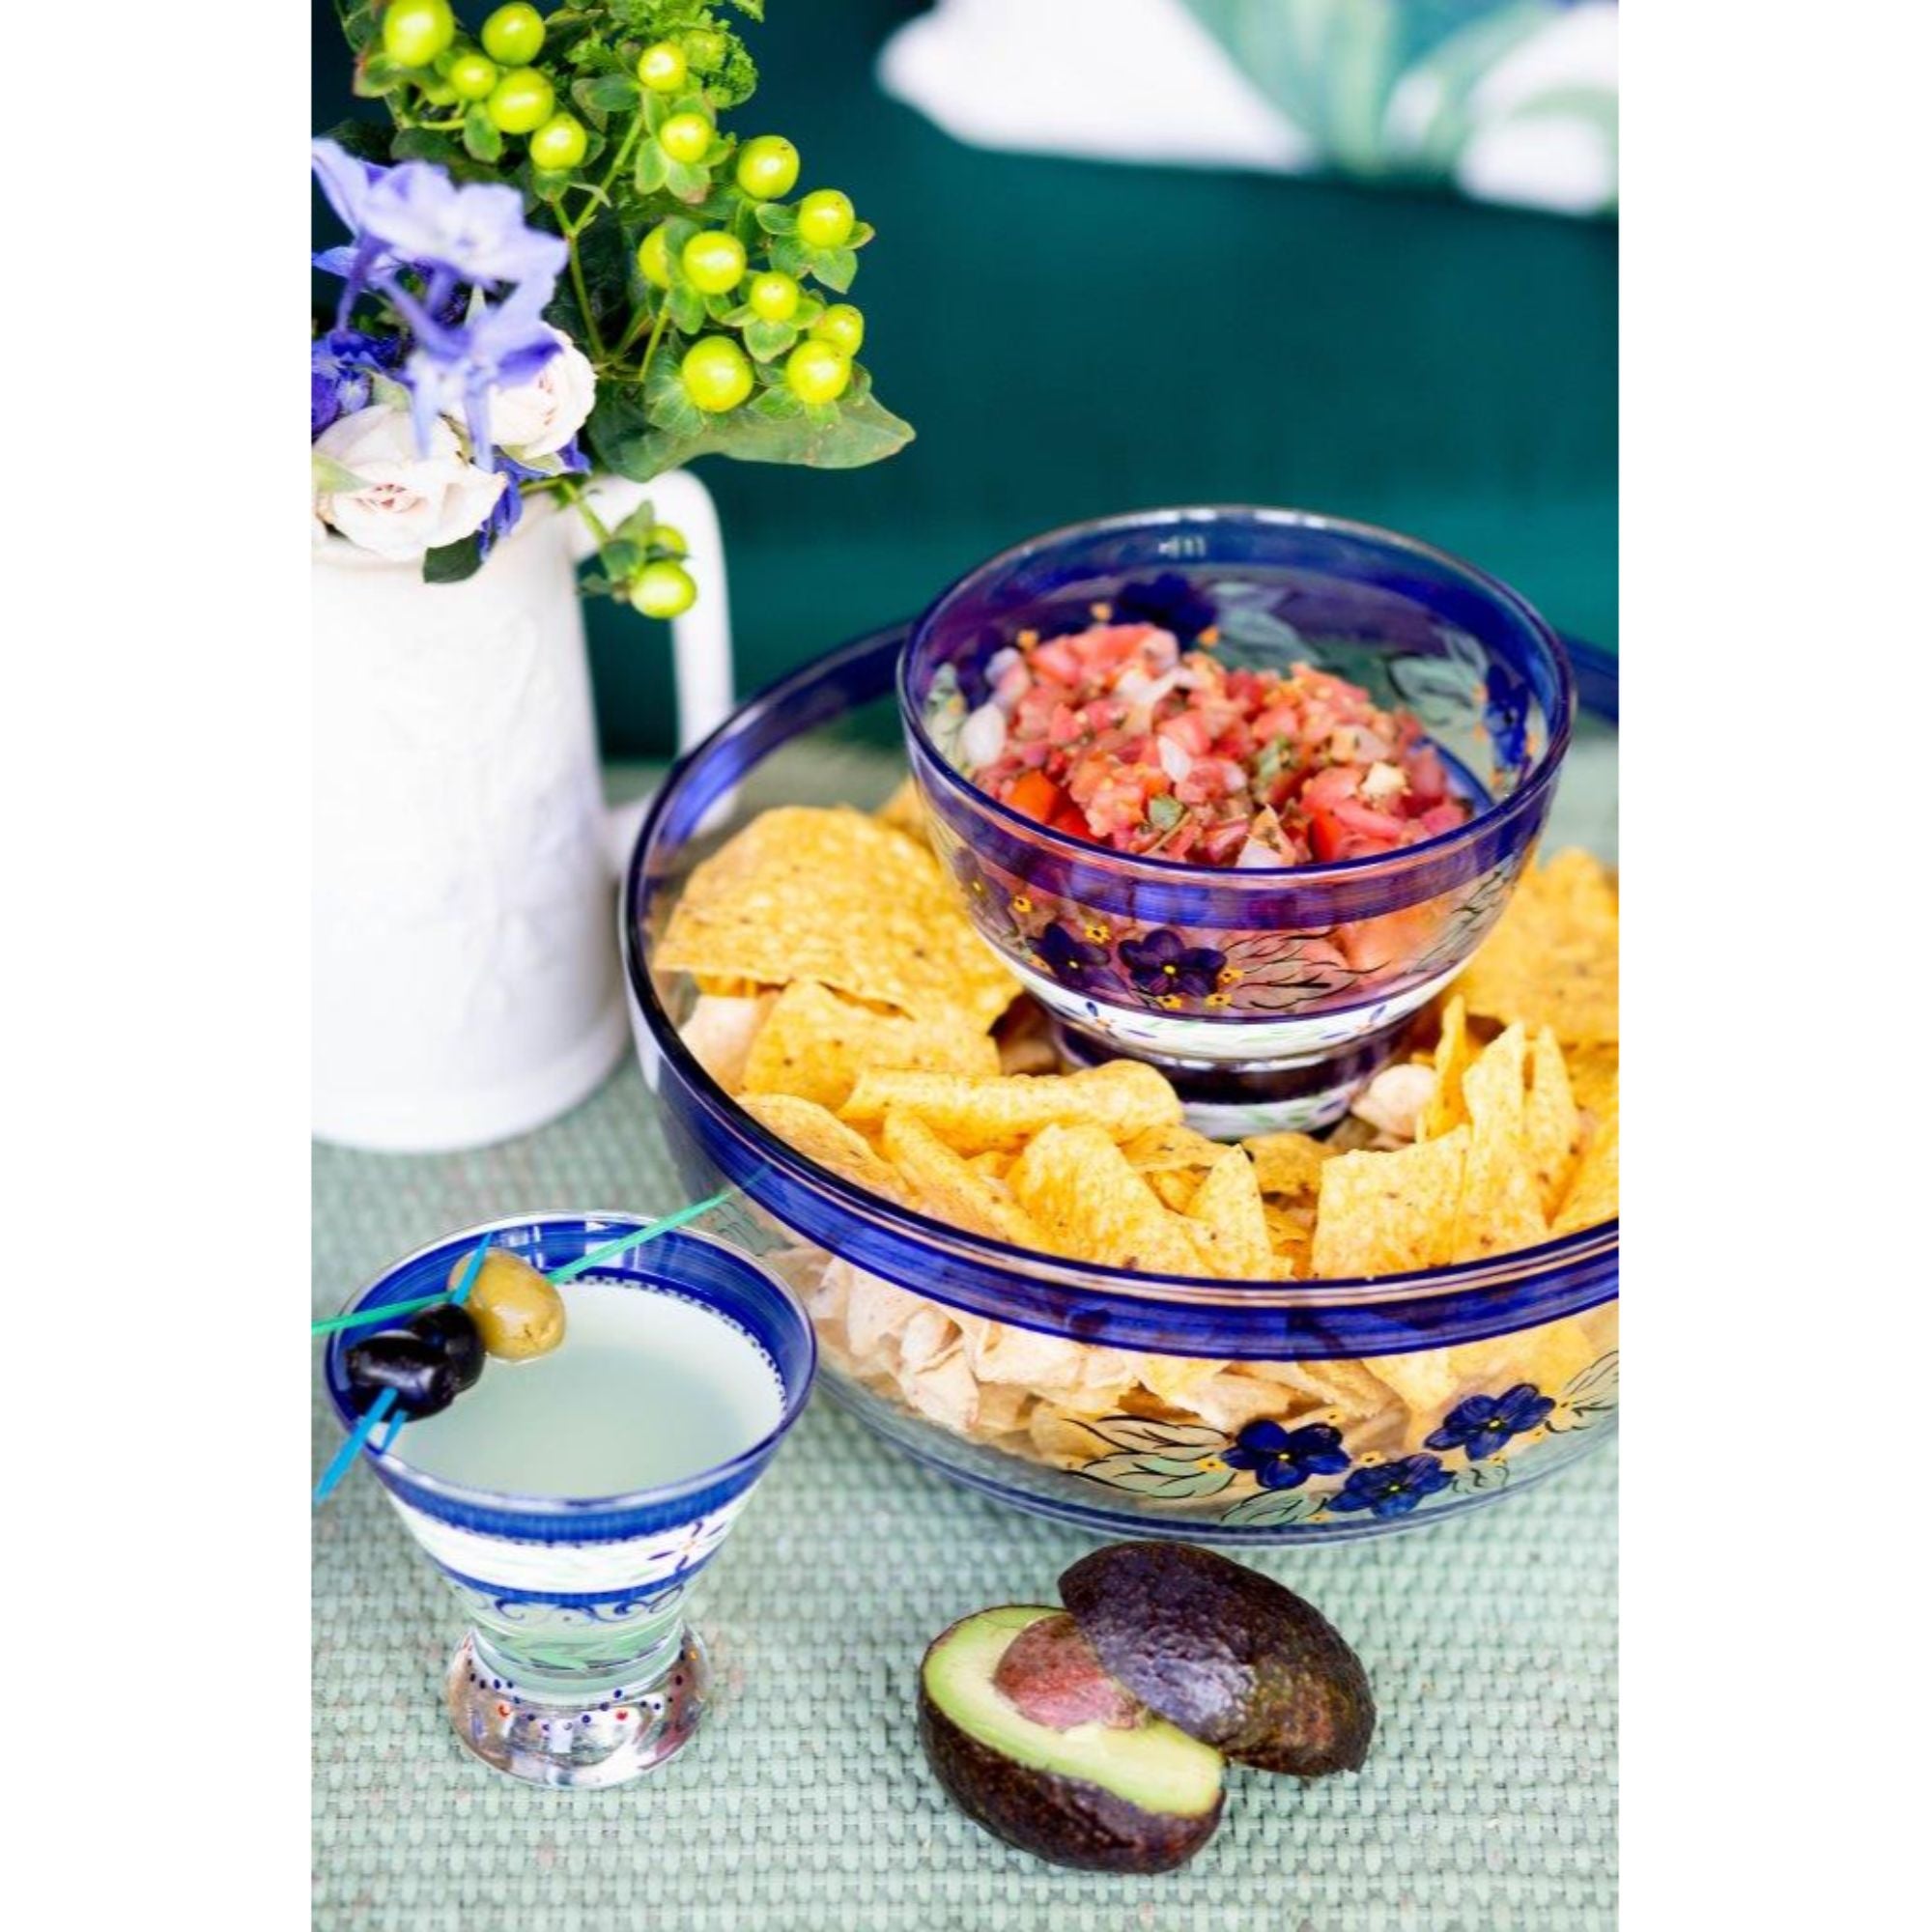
[(571, 1502)]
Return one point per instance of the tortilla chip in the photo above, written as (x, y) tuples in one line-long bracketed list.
[(1455, 1052), (1593, 1077), (1396, 1100), (1551, 959), (1174, 1186), (1592, 1197), (719, 1033), (823, 1137), (1387, 1213), (1551, 1129), (1091, 1205), (904, 811), (1501, 1208), (1288, 1163), (943, 1186), (833, 895), (1230, 1228), (814, 1044), (1160, 1149), (1121, 1097), (1025, 1041)]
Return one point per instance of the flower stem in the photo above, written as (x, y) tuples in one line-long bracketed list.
[(590, 328)]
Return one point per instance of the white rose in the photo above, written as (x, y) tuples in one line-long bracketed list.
[(408, 502), (538, 417)]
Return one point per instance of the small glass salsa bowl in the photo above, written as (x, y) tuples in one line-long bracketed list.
[(1291, 1412), (1271, 996)]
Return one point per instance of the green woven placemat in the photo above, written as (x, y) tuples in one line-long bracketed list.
[(1488, 1803)]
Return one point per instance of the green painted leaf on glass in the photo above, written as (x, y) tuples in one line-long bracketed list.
[(1169, 1477), (1273, 1509), (1141, 1431)]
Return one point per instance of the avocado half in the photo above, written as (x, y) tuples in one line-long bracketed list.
[(1226, 1655), (1115, 1789)]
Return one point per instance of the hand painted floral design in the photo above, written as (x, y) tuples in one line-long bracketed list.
[(1391, 1488), (1164, 965), (1078, 961), (1479, 1424), (1283, 1458)]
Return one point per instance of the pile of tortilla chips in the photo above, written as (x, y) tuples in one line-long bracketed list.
[(847, 1004)]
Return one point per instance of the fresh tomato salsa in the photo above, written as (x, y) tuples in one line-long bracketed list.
[(1118, 735)]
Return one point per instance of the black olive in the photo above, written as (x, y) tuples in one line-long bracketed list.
[(421, 1374), (454, 1331)]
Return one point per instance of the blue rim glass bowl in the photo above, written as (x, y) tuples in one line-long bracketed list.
[(1442, 1390), (1223, 976), (578, 1668)]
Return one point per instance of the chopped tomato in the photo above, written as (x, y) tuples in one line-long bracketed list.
[(1038, 796)]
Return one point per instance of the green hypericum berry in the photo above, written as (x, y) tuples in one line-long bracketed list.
[(437, 93), (685, 137), (825, 218), (664, 589), (843, 326), (716, 374), (559, 144), (667, 536), (514, 35), (522, 101), (816, 372), (774, 297), (471, 76), (714, 263), (768, 167), (662, 67), (415, 31), (654, 256)]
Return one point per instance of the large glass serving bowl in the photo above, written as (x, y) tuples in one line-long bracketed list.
[(1129, 1404), (1300, 980)]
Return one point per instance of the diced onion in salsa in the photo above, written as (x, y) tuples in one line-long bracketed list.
[(1118, 735)]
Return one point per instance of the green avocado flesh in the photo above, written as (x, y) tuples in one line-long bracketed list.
[(1154, 1766)]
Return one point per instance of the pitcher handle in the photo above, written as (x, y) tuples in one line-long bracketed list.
[(700, 640)]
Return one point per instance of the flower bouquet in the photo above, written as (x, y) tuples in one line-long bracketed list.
[(559, 259), (562, 281)]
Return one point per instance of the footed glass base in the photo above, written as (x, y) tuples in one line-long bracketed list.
[(576, 1731), (1228, 1100)]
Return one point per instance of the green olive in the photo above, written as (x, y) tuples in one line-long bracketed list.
[(517, 1310)]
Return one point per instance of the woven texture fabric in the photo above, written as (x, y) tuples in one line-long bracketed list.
[(1489, 1800)]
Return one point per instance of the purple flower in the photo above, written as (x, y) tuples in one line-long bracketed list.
[(1069, 957), (453, 366), (508, 509), (415, 215), (1283, 1458), (1481, 1424), (1390, 1489), (341, 363), (1164, 963)]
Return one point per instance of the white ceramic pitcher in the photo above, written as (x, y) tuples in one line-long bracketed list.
[(466, 987)]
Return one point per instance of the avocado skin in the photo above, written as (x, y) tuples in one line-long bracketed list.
[(1064, 1820), (1229, 1656)]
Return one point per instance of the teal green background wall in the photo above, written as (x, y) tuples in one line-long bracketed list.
[(1072, 338)]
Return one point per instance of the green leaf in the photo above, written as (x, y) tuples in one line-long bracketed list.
[(1160, 1476), (835, 267), (606, 94), (648, 172), (791, 255), (767, 339), (479, 134), (638, 527), (426, 144), (688, 180), (330, 478), (862, 233), (366, 140), (453, 562), (1271, 1509), (1479, 1477), (1164, 812), (376, 75), (776, 218), (686, 309), (1138, 1431)]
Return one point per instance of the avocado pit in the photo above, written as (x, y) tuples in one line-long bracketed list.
[(1053, 1676)]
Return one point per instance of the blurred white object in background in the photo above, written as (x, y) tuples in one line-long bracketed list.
[(1511, 101)]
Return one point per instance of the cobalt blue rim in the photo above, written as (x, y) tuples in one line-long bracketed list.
[(1192, 1315), (1265, 898), (696, 1265)]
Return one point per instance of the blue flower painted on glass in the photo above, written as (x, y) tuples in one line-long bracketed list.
[(1391, 1488), (1283, 1458), (1481, 1424), (1069, 957), (1163, 963)]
